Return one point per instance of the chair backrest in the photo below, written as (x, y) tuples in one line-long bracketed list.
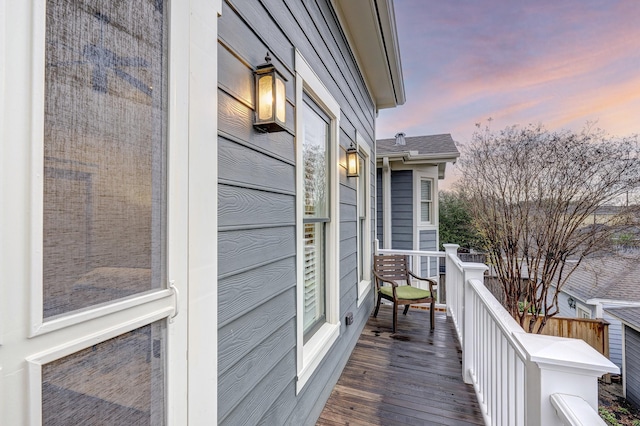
[(392, 267)]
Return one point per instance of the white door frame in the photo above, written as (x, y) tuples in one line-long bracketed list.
[(26, 342)]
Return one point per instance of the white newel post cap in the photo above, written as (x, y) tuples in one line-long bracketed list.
[(451, 248), (560, 365)]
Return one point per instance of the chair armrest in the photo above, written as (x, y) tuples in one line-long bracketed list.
[(431, 282), (417, 277), (386, 280)]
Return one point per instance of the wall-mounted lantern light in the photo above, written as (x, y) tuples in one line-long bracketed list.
[(352, 162), (572, 302), (270, 98)]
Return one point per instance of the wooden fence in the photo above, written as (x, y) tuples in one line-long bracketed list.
[(593, 331)]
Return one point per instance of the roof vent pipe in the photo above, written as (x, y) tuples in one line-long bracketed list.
[(400, 139)]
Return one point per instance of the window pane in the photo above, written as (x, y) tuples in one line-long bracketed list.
[(425, 212), (117, 382), (315, 157), (104, 147), (425, 190), (314, 277)]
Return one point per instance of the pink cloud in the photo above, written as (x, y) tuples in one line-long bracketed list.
[(560, 63)]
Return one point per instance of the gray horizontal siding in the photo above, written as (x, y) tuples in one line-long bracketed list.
[(243, 165), (615, 339), (632, 355), (240, 293), (241, 250), (402, 210), (256, 216), (241, 377)]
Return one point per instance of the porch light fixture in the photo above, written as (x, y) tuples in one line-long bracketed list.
[(352, 162), (572, 303), (270, 98)]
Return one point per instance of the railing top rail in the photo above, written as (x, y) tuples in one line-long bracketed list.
[(575, 411), (413, 252), (502, 318), (460, 265)]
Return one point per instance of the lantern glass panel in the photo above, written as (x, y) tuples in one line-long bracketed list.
[(352, 159), (265, 88), (280, 100)]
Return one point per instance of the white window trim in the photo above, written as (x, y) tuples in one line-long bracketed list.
[(580, 309), (417, 182), (310, 354), (364, 285)]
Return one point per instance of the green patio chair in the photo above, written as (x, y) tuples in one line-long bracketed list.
[(393, 283)]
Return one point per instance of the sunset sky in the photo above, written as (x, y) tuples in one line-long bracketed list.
[(561, 63)]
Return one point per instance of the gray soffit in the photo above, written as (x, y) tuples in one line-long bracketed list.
[(370, 27)]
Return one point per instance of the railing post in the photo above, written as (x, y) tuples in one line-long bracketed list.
[(472, 271), (557, 365), (449, 268)]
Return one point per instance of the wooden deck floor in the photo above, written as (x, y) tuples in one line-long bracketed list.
[(412, 377)]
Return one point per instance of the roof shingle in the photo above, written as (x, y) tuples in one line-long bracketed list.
[(424, 145)]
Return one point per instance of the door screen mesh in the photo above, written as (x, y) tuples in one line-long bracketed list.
[(104, 151), (117, 382)]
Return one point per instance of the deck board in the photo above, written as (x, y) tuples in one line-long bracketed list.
[(412, 377)]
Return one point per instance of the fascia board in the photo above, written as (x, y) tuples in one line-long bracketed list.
[(370, 29)]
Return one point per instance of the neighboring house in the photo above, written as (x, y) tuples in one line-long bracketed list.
[(612, 216), (598, 284), (630, 319), (408, 170), (163, 260)]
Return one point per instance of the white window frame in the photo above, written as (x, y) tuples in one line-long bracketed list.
[(418, 188), (310, 354), (364, 284), (582, 311)]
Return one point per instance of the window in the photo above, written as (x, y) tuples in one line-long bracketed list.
[(315, 158), (364, 221), (317, 219), (426, 200), (583, 312)]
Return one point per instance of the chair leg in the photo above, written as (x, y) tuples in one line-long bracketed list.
[(433, 315), (406, 309), (395, 316), (375, 313)]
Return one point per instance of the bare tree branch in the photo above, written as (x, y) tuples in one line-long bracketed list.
[(532, 194)]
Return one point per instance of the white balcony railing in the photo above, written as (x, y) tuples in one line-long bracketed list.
[(519, 378)]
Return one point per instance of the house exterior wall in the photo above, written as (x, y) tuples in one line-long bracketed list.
[(632, 363), (257, 217), (407, 232), (615, 326), (402, 203), (615, 339)]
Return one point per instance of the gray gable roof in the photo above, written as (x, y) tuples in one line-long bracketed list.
[(611, 278), (630, 316), (423, 145)]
